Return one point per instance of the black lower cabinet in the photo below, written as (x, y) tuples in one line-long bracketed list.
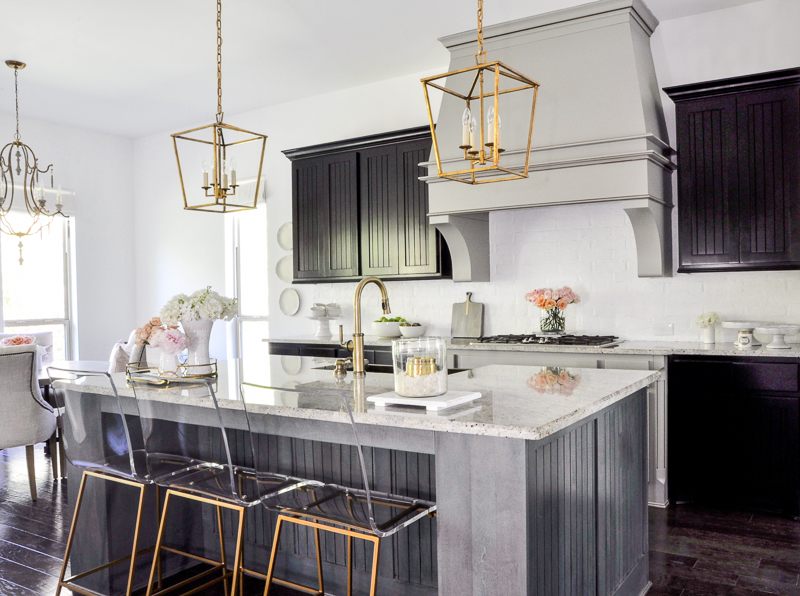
[(373, 354), (734, 432)]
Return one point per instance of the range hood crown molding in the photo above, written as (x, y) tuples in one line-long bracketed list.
[(599, 136)]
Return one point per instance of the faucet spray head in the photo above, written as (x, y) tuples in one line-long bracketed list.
[(385, 307)]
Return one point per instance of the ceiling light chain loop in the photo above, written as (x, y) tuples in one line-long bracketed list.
[(219, 61), (480, 57)]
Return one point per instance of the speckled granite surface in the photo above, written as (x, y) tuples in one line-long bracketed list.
[(516, 402), (660, 348)]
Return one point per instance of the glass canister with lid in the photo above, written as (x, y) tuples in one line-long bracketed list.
[(420, 366)]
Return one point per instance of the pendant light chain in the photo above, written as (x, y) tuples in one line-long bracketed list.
[(480, 57), (16, 96), (219, 61)]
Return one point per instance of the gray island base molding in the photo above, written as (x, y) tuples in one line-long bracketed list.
[(538, 493)]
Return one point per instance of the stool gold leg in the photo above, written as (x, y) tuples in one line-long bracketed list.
[(71, 534), (272, 555), (157, 556), (349, 566), (239, 552), (222, 548), (135, 540), (319, 561), (157, 552), (374, 585)]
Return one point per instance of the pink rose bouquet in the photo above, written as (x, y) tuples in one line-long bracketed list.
[(554, 380), (17, 340), (145, 332), (553, 302)]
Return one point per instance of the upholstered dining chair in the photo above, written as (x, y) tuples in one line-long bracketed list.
[(25, 419)]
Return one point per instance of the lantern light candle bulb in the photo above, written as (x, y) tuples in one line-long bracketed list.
[(490, 122), (465, 128), (205, 174), (473, 125), (233, 171), (224, 174), (59, 199)]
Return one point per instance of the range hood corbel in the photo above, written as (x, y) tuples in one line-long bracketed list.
[(599, 136)]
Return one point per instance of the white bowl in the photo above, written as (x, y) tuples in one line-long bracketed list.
[(417, 331), (388, 329), (317, 312)]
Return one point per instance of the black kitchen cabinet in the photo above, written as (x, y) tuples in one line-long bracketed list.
[(739, 173), (325, 212), (360, 209), (373, 354), (734, 432)]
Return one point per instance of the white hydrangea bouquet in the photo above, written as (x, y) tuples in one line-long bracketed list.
[(707, 319), (203, 304)]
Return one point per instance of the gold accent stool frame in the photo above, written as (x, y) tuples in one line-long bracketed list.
[(484, 165)]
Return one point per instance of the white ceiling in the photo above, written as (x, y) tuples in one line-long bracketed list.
[(139, 67)]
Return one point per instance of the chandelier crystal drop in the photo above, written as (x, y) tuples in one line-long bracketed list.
[(212, 172), (20, 174), (483, 89)]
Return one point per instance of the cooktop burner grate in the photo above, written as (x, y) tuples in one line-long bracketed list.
[(553, 340)]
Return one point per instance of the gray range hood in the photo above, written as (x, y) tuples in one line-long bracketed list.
[(599, 133)]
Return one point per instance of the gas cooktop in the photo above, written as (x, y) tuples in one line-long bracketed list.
[(597, 341)]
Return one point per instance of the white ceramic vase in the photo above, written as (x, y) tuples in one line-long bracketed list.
[(707, 335), (167, 363), (199, 334)]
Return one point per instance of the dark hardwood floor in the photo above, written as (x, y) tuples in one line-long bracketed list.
[(694, 551)]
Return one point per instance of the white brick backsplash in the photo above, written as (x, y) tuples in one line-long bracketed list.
[(590, 248)]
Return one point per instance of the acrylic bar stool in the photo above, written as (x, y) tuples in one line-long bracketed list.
[(222, 484), (355, 512), (103, 448)]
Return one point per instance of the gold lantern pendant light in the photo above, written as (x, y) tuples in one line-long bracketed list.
[(20, 172), (482, 133), (219, 191)]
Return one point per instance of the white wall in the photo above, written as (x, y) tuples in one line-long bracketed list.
[(98, 167)]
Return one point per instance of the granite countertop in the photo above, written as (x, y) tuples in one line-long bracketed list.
[(656, 348), (516, 402)]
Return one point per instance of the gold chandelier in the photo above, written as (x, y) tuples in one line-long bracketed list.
[(21, 173), (218, 191), (481, 138)]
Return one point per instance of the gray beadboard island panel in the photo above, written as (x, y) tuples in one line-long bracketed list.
[(534, 490)]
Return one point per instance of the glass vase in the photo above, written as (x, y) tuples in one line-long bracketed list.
[(552, 321), (420, 366)]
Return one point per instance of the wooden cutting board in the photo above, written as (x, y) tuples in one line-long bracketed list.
[(467, 319)]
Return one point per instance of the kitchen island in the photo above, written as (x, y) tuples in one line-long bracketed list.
[(541, 486)]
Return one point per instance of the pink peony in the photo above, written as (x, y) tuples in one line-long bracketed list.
[(172, 341), (562, 304)]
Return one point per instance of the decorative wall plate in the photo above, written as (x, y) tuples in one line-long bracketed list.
[(284, 269), (285, 236), (291, 364), (289, 301)]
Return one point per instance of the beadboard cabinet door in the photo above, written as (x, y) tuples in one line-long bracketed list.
[(707, 184), (769, 160), (325, 212), (395, 236)]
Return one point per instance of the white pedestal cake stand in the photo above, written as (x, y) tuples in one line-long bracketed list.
[(777, 332), (747, 326), (323, 325)]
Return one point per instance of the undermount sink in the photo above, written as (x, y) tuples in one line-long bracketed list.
[(382, 368)]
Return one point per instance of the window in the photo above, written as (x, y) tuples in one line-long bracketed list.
[(248, 265), (36, 293)]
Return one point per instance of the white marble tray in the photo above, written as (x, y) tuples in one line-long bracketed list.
[(439, 402)]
